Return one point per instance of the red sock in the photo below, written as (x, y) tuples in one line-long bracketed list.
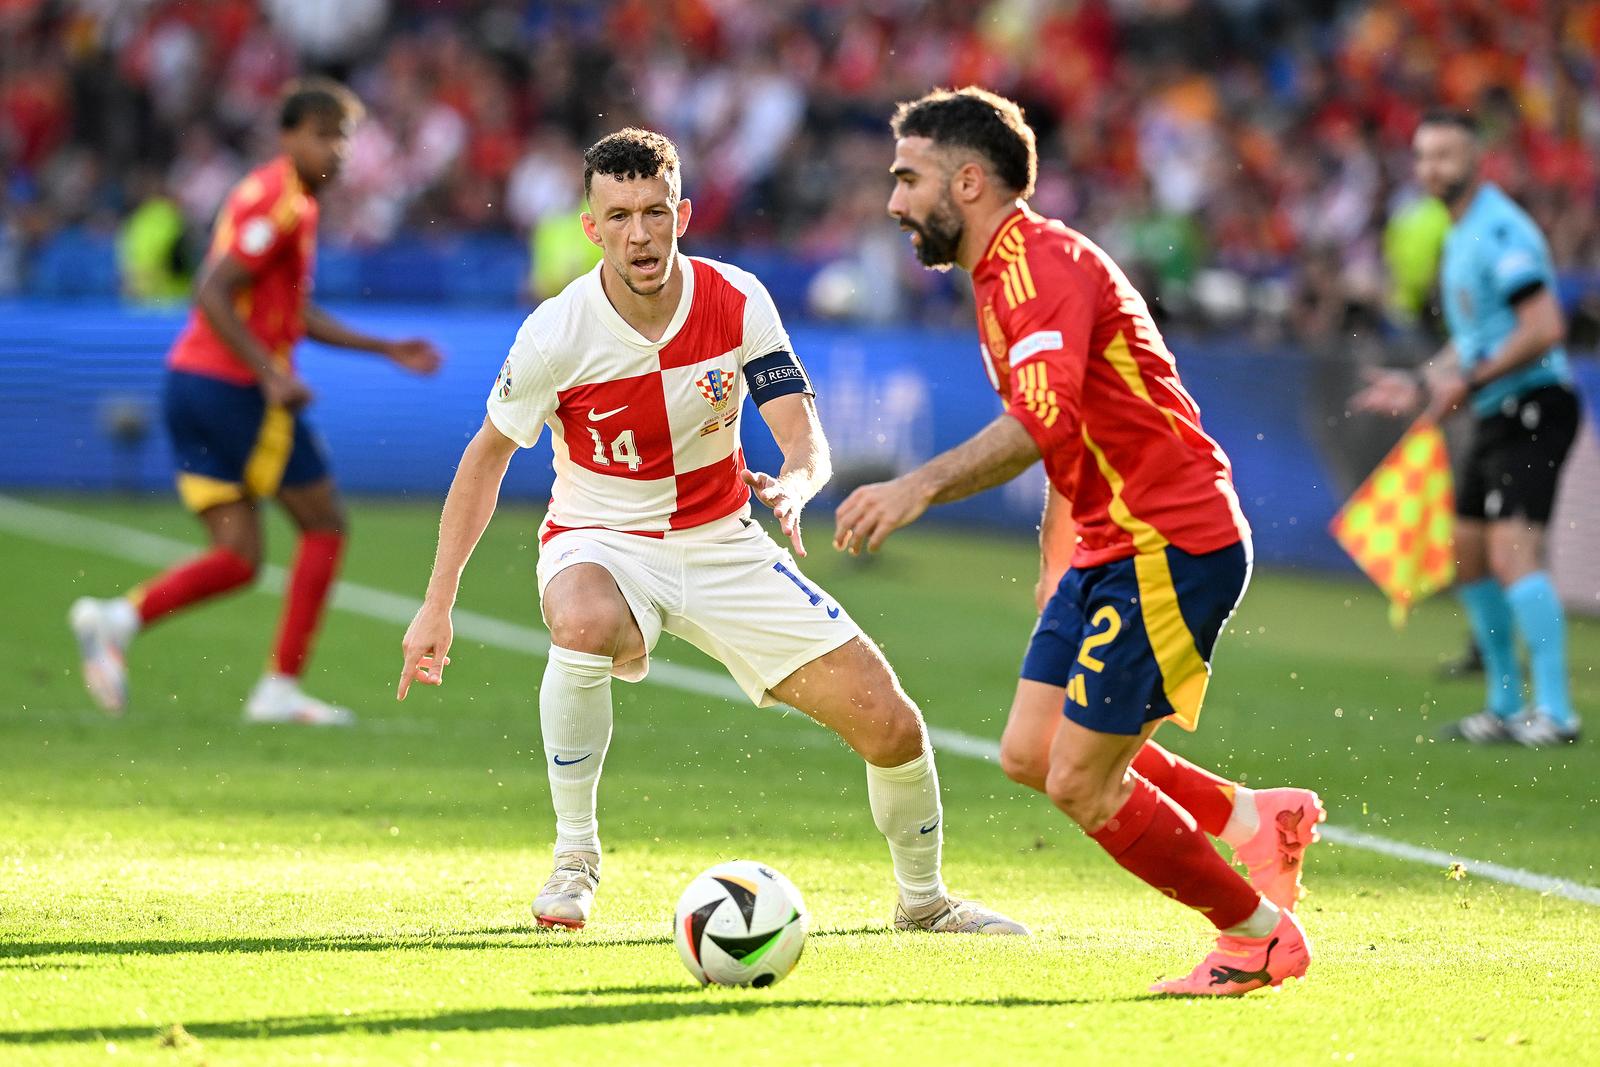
[(315, 564), (190, 582), (1159, 841), (1194, 789)]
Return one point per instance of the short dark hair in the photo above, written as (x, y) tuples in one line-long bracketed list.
[(632, 153), (976, 119), (1444, 116), (317, 97)]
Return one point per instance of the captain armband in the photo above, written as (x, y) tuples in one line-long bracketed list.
[(776, 374)]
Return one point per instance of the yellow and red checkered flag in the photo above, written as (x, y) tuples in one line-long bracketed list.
[(1399, 526)]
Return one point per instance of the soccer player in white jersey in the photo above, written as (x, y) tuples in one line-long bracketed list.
[(640, 369)]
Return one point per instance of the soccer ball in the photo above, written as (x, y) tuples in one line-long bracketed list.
[(741, 923)]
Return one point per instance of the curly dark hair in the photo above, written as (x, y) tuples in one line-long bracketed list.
[(320, 97), (981, 121), (632, 153)]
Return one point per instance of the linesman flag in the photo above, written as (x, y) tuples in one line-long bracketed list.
[(1400, 525)]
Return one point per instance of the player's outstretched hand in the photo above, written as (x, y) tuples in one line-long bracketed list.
[(416, 355), (785, 508), (425, 646), (873, 512), (1387, 392)]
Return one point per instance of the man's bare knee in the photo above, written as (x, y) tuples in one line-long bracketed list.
[(1086, 800), (1023, 765), (598, 629), (897, 736)]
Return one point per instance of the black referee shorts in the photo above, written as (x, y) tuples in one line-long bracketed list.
[(1515, 460)]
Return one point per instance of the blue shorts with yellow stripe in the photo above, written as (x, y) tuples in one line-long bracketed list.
[(1131, 641), (230, 445)]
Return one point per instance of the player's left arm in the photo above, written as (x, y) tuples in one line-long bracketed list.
[(1519, 273), (994, 455), (807, 465), (1047, 356), (413, 353)]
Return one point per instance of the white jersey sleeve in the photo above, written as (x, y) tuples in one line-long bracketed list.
[(524, 395), (763, 329)]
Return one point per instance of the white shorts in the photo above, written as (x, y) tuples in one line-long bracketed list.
[(725, 587)]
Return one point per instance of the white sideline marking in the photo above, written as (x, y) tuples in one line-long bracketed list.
[(113, 539)]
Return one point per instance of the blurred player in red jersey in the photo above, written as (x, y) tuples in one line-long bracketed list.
[(1161, 556), (233, 407)]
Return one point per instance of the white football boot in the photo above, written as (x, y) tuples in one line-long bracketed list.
[(1536, 729), (948, 915), (568, 895), (104, 629), (277, 698)]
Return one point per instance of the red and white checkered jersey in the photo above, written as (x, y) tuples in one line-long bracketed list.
[(646, 433)]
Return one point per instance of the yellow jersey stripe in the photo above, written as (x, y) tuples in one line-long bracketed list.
[(1026, 276), (200, 492), (1184, 675), (1004, 230), (263, 472), (1146, 538), (1121, 359)]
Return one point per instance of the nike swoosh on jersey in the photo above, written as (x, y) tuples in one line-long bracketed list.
[(599, 418)]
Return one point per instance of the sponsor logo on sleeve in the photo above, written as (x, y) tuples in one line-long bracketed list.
[(256, 236), (1035, 343)]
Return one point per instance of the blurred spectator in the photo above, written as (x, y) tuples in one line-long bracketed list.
[(1242, 156), (151, 259)]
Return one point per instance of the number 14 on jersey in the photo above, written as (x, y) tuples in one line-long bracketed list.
[(623, 450)]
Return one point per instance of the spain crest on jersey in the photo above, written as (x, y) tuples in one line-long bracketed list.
[(994, 336), (716, 386)]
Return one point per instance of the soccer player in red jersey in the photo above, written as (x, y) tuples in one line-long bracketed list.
[(233, 406), (1162, 552)]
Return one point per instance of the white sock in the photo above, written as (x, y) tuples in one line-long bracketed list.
[(1245, 820), (1261, 923), (123, 618), (575, 719), (905, 806)]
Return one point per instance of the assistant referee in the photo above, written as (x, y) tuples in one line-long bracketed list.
[(1505, 362)]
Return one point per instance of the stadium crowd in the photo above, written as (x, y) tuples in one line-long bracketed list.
[(1245, 156)]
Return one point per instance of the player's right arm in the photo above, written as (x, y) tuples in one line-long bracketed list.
[(222, 279), (1057, 539), (470, 504), (522, 399)]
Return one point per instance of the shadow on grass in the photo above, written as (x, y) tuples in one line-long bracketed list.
[(494, 937), (673, 1002)]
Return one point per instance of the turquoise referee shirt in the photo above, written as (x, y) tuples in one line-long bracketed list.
[(1493, 257)]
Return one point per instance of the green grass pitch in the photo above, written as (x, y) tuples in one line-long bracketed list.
[(360, 897)]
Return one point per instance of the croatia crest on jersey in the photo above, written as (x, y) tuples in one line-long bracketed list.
[(716, 386)]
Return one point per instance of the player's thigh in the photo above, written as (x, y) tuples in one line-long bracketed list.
[(236, 526), (1516, 548), (1088, 776), (1472, 550), (314, 505), (586, 611), (853, 691), (746, 604), (1030, 729)]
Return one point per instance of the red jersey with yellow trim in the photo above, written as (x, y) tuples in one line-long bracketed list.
[(269, 224), (1071, 348)]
